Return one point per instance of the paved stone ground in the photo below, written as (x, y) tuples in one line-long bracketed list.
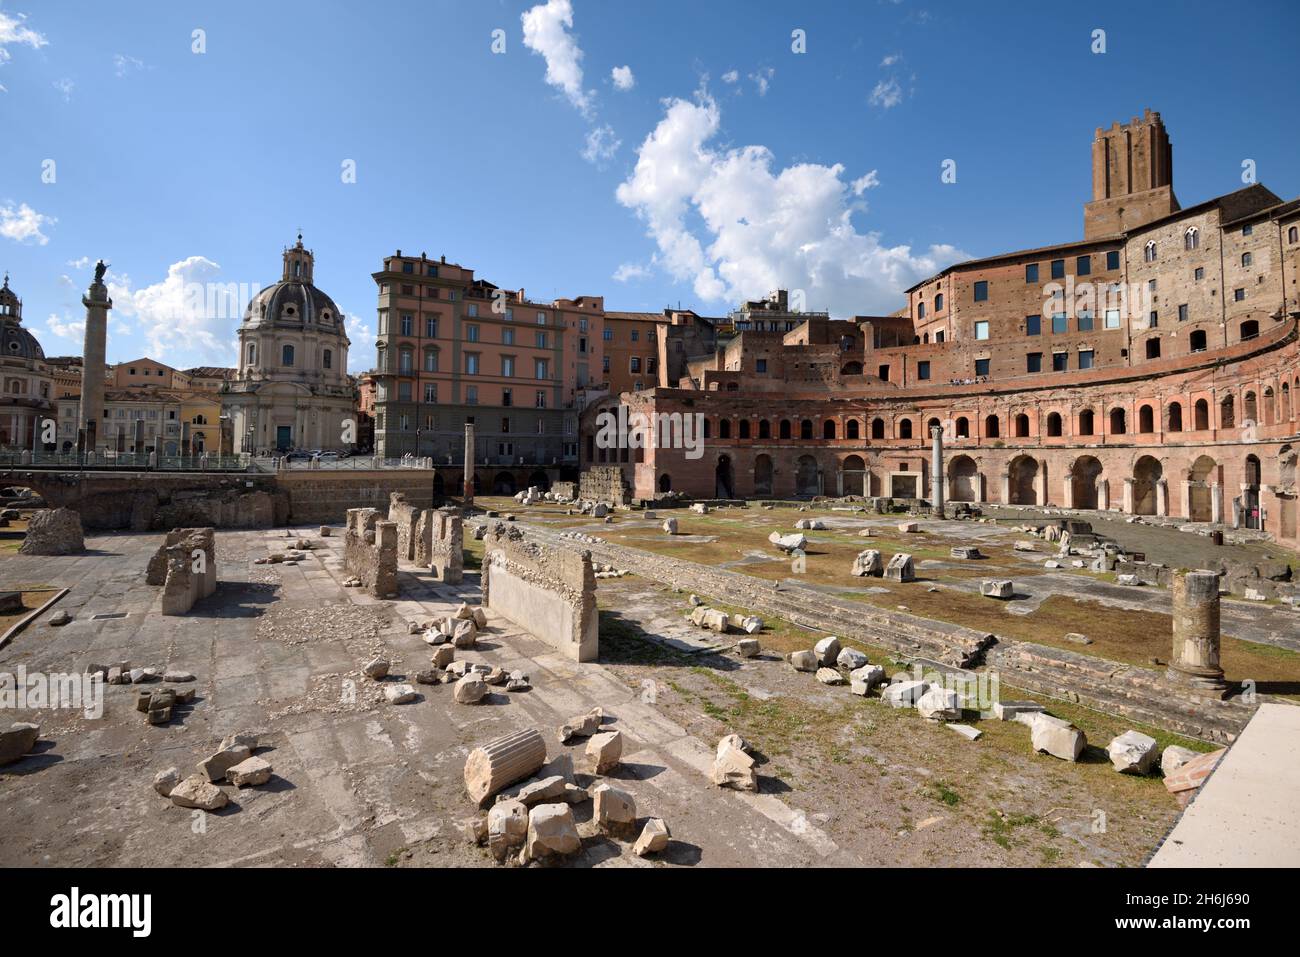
[(361, 782)]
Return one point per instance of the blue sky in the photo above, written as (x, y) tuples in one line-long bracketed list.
[(654, 153)]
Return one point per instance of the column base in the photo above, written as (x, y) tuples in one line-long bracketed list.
[(1211, 684)]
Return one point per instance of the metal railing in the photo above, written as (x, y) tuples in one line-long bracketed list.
[(123, 461)]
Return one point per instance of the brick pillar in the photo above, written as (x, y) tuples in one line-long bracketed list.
[(1128, 496), (1162, 497), (1195, 661)]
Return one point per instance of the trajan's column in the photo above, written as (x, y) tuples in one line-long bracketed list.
[(97, 305)]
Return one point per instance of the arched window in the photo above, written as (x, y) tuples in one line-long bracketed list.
[(1249, 329), (1293, 235), (852, 429), (724, 429), (327, 359), (785, 428), (1022, 425), (1149, 251), (963, 427), (764, 429), (252, 353), (1250, 408), (1191, 238), (1175, 418), (1086, 423), (708, 428), (744, 428), (1202, 415), (991, 427), (1227, 413), (806, 429), (877, 428), (1196, 341), (286, 356), (932, 425), (1146, 419), (1118, 422), (828, 429), (905, 429), (1054, 424)]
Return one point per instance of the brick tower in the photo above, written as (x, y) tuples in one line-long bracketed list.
[(1132, 176)]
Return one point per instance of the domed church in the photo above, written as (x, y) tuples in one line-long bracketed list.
[(291, 390), (25, 382)]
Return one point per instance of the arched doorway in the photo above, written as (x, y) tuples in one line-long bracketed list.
[(503, 484), (723, 485), (805, 476), (439, 484), (962, 479), (1204, 472), (1084, 474), (1146, 474), (539, 480), (854, 471), (763, 475), (1022, 472), (665, 483), (1250, 493)]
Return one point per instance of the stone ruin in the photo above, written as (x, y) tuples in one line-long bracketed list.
[(549, 592), (412, 529), (447, 545), (604, 483), (55, 531), (370, 551), (186, 567)]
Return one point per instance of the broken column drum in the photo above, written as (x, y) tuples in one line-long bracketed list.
[(1195, 660), (502, 762)]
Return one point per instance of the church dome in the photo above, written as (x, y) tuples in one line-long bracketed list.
[(294, 299), (15, 341)]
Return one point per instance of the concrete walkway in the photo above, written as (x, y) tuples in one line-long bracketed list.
[(1247, 814)]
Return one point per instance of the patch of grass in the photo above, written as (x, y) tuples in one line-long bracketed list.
[(941, 792), (1001, 828)]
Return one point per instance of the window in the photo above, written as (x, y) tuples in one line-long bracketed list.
[(541, 367), (471, 395), (507, 337), (471, 332), (1293, 235), (404, 363), (507, 398), (1083, 266), (327, 359), (1246, 259), (920, 310), (1191, 238), (471, 363), (636, 335), (1238, 295), (1058, 268), (404, 392), (286, 356), (981, 290), (1060, 361), (433, 271), (604, 363), (634, 364), (407, 324), (540, 339), (1153, 348), (1247, 230), (1112, 318), (430, 327), (408, 267), (1249, 329), (582, 345), (938, 336), (1153, 319), (1085, 358), (431, 392), (923, 370), (1060, 324), (431, 360), (541, 318), (472, 309), (981, 366), (539, 402), (1182, 313), (760, 365), (1034, 362), (1199, 273), (608, 335), (1033, 325), (1031, 273), (508, 366), (982, 329), (1085, 321), (1149, 251), (1112, 259), (1196, 341), (938, 298)]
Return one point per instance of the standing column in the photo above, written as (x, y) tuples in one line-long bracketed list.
[(936, 471), (97, 305), (1129, 497), (1195, 661), (1162, 497), (469, 464), (1216, 504), (138, 446)]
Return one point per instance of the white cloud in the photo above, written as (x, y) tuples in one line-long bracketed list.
[(630, 271), (65, 86), (124, 64), (891, 60), (361, 353), (23, 224), (15, 32), (887, 94), (176, 317), (864, 183), (763, 78), (731, 76), (622, 77), (546, 31), (602, 144), (65, 328), (761, 228)]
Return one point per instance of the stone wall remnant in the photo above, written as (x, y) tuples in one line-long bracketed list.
[(446, 545), (604, 483), (186, 567), (370, 551), (55, 531), (549, 592), (413, 529)]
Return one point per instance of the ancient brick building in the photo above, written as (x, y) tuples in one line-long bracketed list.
[(1150, 367)]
